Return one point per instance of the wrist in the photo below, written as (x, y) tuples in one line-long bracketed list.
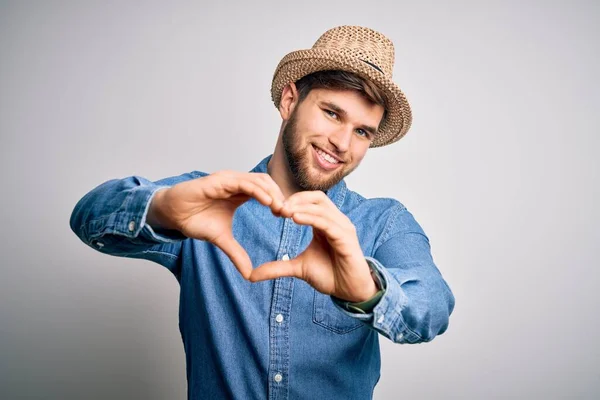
[(365, 307), (365, 290), (371, 290), (377, 281), (157, 217)]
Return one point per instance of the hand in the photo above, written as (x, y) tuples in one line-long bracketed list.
[(333, 263), (203, 209)]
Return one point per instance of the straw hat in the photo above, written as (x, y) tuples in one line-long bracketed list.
[(356, 49)]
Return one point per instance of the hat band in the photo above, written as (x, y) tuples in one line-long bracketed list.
[(372, 65)]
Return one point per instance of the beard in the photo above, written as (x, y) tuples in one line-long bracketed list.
[(299, 161)]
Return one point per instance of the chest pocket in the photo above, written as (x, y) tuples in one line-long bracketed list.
[(327, 315)]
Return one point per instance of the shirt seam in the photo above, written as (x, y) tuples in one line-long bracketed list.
[(391, 219)]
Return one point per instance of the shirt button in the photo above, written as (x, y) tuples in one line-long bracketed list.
[(277, 378), (285, 257), (99, 244), (131, 226), (279, 318), (399, 337)]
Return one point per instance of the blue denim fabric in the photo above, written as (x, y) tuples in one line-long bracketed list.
[(277, 339)]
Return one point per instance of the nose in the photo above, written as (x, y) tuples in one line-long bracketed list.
[(341, 139)]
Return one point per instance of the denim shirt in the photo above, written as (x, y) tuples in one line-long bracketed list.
[(277, 339)]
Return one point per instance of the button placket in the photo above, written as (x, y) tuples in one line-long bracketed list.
[(281, 303)]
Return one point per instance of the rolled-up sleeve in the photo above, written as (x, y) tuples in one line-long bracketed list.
[(417, 301), (111, 218)]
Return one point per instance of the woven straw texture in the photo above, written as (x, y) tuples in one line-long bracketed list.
[(356, 49)]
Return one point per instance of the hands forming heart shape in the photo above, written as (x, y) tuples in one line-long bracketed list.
[(203, 208)]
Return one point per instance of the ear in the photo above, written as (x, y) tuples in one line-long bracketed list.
[(289, 100)]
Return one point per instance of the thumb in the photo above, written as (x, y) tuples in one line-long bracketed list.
[(236, 253), (276, 269)]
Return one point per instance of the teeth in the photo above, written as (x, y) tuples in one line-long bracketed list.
[(327, 157)]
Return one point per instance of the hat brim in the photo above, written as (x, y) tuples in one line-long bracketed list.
[(300, 63)]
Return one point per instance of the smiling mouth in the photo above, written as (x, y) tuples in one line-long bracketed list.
[(325, 160)]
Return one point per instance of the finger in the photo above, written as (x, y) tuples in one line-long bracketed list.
[(332, 217), (254, 189), (332, 230), (307, 196), (236, 253), (310, 208), (310, 197), (261, 187), (272, 188), (276, 269), (227, 184)]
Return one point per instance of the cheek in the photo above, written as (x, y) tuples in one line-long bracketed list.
[(315, 124)]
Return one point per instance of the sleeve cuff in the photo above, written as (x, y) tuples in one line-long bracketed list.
[(386, 315), (131, 221), (158, 235)]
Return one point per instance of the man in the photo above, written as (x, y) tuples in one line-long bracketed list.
[(287, 276)]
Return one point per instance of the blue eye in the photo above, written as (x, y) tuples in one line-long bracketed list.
[(331, 114), (362, 132)]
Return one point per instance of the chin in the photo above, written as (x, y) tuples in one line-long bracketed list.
[(311, 177)]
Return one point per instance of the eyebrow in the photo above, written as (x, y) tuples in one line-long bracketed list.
[(372, 130)]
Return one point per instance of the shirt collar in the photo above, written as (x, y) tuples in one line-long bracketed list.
[(336, 193)]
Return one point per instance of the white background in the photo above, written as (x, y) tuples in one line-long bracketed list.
[(500, 168)]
